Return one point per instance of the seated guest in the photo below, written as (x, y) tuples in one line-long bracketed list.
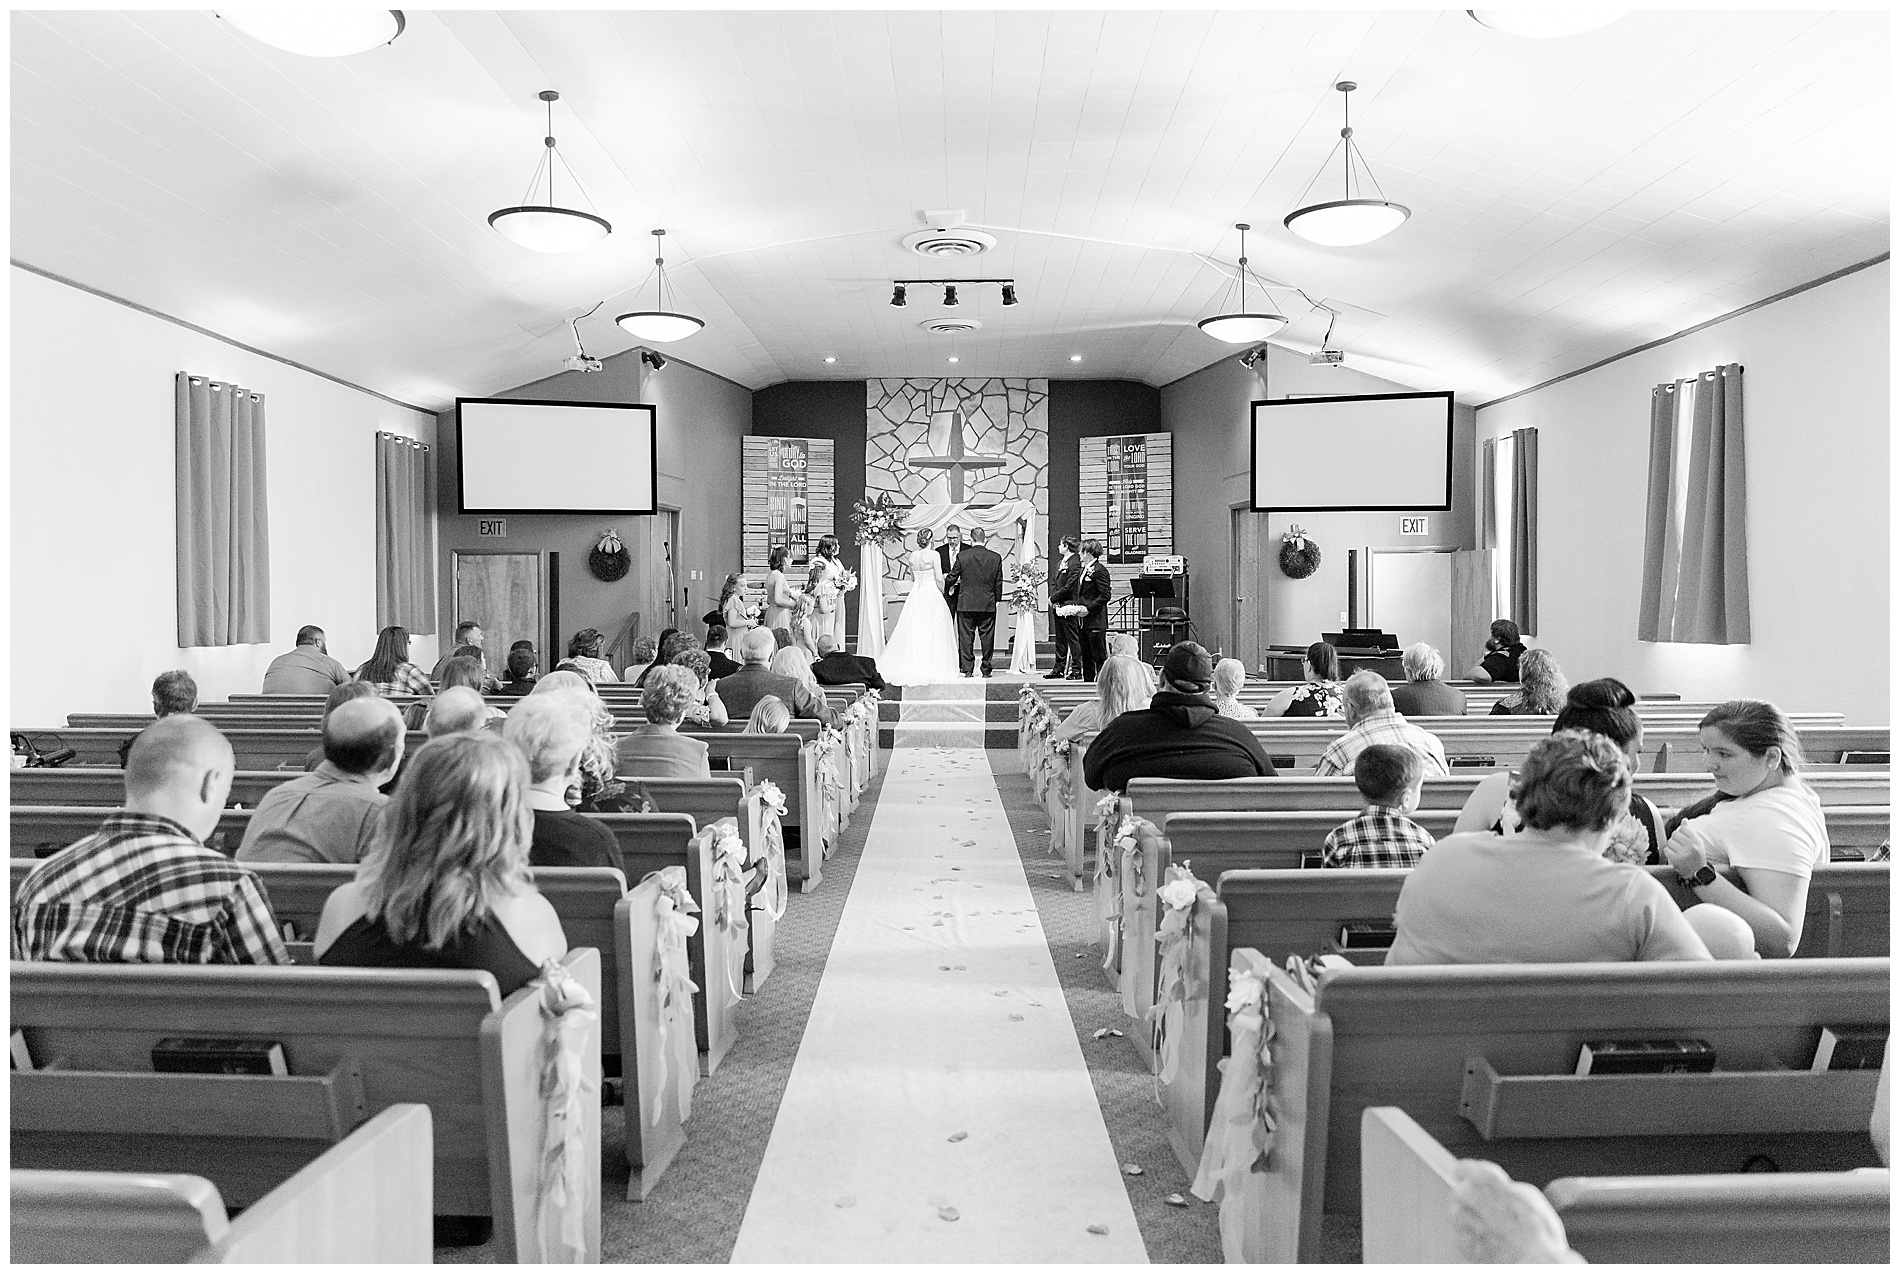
[(584, 651), (1123, 644), (457, 710), (1229, 676), (445, 883), (781, 637), (488, 685), (644, 651), (723, 664), (468, 634), (552, 731), (1123, 685), (521, 673), (756, 679), (1762, 821), (657, 750), (663, 652), (466, 671), (172, 693), (306, 670), (574, 669), (1606, 707), (1389, 778), (338, 697), (1502, 651), (143, 889), (389, 669), (329, 815), (1541, 688), (795, 662), (1179, 735), (1423, 694), (834, 667), (1546, 895), (1367, 700), (769, 716), (708, 710), (1318, 694)]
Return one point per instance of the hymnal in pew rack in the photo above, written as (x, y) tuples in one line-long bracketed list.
[(182, 1055), (1851, 1048), (1646, 1057)]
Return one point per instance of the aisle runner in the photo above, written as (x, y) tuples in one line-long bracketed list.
[(939, 1109)]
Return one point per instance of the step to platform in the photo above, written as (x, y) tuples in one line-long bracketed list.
[(957, 714)]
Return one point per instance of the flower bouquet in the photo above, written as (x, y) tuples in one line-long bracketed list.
[(1024, 590), (877, 520)]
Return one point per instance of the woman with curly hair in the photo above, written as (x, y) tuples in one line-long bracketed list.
[(1541, 687), (584, 652), (657, 750), (707, 709)]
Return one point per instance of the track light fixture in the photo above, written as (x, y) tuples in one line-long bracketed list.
[(950, 295), (653, 358), (1009, 294), (542, 224), (1253, 356), (897, 295)]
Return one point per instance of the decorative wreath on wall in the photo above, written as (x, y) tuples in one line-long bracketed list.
[(1299, 556), (610, 560)]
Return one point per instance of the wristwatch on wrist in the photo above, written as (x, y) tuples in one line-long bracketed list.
[(1704, 875)]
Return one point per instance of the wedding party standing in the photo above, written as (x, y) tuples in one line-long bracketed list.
[(780, 597), (832, 582), (1063, 630)]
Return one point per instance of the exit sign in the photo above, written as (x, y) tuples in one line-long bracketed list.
[(1415, 526), (497, 527)]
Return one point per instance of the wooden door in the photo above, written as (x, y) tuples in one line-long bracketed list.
[(1470, 610), (1249, 592), (503, 592)]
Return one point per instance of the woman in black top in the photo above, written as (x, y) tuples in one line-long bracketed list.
[(1318, 695), (445, 883), (551, 730), (1502, 652)]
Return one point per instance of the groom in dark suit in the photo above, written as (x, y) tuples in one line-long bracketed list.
[(976, 579)]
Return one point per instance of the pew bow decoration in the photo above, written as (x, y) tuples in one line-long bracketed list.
[(1299, 555), (1127, 841), (772, 840), (673, 907), (1240, 1136), (568, 1017), (610, 560), (729, 881), (1167, 1019)]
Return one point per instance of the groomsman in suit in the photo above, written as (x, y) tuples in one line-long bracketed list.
[(1064, 631), (1093, 592), (947, 553), (976, 578)]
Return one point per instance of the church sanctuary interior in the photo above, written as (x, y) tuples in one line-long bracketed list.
[(1085, 636)]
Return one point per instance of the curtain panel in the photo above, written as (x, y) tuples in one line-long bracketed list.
[(1524, 529), (222, 514), (405, 549), (1695, 539)]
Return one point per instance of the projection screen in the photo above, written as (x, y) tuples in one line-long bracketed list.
[(1352, 453), (532, 456)]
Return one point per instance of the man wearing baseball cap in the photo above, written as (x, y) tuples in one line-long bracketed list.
[(1180, 735)]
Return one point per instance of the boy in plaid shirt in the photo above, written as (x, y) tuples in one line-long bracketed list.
[(1389, 777)]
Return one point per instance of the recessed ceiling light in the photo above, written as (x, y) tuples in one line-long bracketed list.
[(1075, 358), (955, 359), (830, 359)]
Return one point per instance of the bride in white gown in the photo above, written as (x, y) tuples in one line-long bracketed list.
[(923, 644)]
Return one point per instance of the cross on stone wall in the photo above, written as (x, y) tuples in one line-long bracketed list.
[(958, 461)]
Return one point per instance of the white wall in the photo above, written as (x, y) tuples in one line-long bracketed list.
[(94, 615), (1815, 403)]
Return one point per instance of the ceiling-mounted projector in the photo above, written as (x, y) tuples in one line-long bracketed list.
[(581, 363), (1326, 358)]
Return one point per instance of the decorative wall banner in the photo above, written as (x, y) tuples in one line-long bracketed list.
[(788, 497), (1128, 495)]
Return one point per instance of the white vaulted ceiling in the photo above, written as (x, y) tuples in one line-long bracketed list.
[(1571, 197)]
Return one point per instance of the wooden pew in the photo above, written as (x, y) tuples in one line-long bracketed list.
[(708, 801), (256, 749), (364, 1200), (1482, 1056), (103, 785), (43, 830), (443, 1039), (1407, 1187), (791, 764)]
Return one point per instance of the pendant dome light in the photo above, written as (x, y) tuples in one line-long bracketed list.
[(659, 324), (548, 227), (1241, 326), (1353, 220), (1545, 22), (317, 31)]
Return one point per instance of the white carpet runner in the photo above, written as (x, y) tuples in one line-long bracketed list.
[(940, 1108)]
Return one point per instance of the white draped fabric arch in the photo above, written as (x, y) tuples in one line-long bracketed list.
[(996, 519)]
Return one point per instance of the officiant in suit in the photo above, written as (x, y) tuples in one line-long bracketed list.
[(975, 580), (947, 553)]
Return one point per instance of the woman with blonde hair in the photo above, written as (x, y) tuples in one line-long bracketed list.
[(734, 611), (1123, 685), (769, 716), (1541, 687), (445, 882), (1229, 676), (553, 732), (795, 662)]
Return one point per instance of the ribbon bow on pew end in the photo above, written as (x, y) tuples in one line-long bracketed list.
[(1168, 1016), (771, 857), (729, 893), (1127, 838), (567, 1016), (673, 909), (1240, 1135)]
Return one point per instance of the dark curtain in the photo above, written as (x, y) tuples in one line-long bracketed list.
[(1524, 529), (405, 551), (222, 515), (1695, 549)]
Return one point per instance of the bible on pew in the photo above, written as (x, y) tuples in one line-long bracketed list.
[(183, 1055), (1645, 1057)]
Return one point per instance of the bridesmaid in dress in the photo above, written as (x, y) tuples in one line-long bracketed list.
[(831, 614), (780, 596), (734, 610)]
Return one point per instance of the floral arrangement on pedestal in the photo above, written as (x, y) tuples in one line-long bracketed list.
[(1024, 586), (878, 521)]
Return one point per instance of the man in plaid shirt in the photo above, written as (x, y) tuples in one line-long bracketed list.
[(1389, 777), (1370, 718), (143, 888)]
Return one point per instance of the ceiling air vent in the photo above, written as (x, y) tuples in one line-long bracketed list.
[(949, 243), (950, 326)]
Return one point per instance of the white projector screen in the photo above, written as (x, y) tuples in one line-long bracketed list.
[(530, 456), (1350, 453)]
